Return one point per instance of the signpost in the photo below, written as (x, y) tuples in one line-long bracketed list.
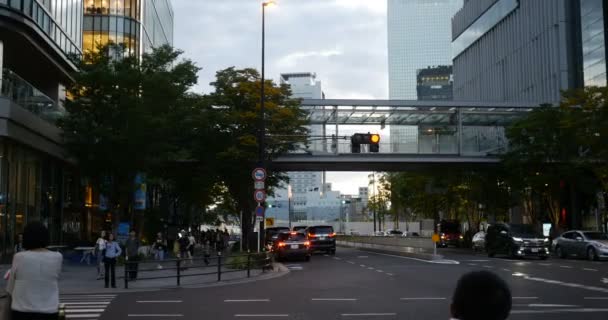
[(259, 195), (269, 222), (435, 240)]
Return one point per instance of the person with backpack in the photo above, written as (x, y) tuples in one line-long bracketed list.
[(160, 246), (183, 243)]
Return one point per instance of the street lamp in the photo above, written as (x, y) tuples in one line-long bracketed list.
[(262, 128)]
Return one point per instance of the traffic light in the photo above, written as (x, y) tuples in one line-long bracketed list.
[(373, 140)]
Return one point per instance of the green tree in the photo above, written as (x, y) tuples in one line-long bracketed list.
[(236, 105), (124, 117)]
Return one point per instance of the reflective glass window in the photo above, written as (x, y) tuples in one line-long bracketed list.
[(593, 37)]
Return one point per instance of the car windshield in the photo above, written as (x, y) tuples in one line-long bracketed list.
[(523, 230), (299, 228), (321, 230), (596, 235), (292, 237), (450, 227)]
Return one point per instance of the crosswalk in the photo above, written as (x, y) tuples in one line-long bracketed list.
[(85, 307)]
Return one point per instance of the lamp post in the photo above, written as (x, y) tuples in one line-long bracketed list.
[(262, 125)]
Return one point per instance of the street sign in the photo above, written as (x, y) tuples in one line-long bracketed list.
[(259, 196), (259, 185), (259, 211), (259, 219), (269, 222), (435, 238), (259, 174)]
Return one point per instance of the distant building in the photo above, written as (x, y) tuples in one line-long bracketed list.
[(323, 206), (434, 83), (364, 195)]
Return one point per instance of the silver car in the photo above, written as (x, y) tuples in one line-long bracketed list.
[(479, 241), (592, 245)]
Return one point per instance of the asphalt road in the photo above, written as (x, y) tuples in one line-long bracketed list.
[(361, 285)]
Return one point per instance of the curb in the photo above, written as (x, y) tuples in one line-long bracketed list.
[(279, 270)]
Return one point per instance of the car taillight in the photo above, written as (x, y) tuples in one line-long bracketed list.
[(282, 244), (307, 243), (311, 235), (333, 234), (293, 233)]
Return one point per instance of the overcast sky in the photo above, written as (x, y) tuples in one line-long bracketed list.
[(343, 41)]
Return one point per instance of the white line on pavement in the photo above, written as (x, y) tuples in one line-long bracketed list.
[(362, 257), (379, 271), (337, 258), (561, 283), (582, 310), (596, 298), (390, 274), (156, 315), (566, 267), (351, 262), (84, 303), (545, 264), (368, 314), (416, 259), (326, 255), (427, 298), (489, 267), (362, 265), (159, 301), (247, 300), (477, 260), (333, 299), (472, 264), (78, 316), (505, 269), (370, 268), (83, 310), (261, 315), (549, 305), (589, 269), (524, 298)]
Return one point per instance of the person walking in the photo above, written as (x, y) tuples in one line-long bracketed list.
[(183, 243), (100, 247), (34, 275), (132, 255), (19, 245), (113, 251), (191, 245), (159, 249)]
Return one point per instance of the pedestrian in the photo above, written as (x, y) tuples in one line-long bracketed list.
[(132, 254), (226, 238), (34, 275), (113, 251), (219, 241), (206, 251), (183, 245), (481, 295), (100, 247), (19, 245), (159, 249), (191, 245)]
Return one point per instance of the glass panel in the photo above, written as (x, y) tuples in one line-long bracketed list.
[(594, 49), (16, 4)]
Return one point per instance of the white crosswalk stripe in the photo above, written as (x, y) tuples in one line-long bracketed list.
[(85, 307)]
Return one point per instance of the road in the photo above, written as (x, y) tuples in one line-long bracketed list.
[(360, 285)]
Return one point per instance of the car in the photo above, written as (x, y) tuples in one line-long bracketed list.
[(271, 234), (291, 244), (393, 233), (516, 240), (322, 238), (592, 245), (450, 234), (479, 241), (299, 228)]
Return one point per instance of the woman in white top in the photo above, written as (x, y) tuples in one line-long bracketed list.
[(33, 281), (100, 246)]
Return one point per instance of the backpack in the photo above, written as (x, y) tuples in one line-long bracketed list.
[(183, 243)]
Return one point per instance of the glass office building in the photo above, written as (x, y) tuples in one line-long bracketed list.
[(593, 38), (139, 25)]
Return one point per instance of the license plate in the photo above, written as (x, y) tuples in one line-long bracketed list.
[(295, 246), (321, 238), (535, 250)]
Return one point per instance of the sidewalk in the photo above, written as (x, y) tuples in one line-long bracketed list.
[(82, 278)]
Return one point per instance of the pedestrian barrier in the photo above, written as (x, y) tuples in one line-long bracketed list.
[(211, 265)]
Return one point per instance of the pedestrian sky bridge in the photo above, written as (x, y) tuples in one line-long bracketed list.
[(414, 134)]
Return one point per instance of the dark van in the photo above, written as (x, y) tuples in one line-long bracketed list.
[(322, 238), (516, 240)]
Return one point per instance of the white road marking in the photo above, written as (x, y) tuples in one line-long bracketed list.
[(246, 300), (604, 280), (566, 267), (589, 269), (362, 265), (326, 255), (159, 301), (596, 298), (370, 268), (505, 269), (561, 283), (524, 298), (477, 260), (351, 262), (390, 274), (489, 267), (549, 305), (83, 310), (85, 303), (368, 314), (337, 258), (472, 264), (333, 299), (416, 259), (87, 306), (417, 299), (362, 257), (168, 315), (379, 271), (582, 310), (87, 316), (261, 315)]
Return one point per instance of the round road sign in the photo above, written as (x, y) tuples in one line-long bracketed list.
[(259, 195), (259, 211), (259, 174)]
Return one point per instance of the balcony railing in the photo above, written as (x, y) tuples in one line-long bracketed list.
[(28, 97)]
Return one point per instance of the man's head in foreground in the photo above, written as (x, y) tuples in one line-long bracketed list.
[(481, 295)]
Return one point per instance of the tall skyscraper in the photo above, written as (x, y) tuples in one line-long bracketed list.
[(138, 24), (419, 37)]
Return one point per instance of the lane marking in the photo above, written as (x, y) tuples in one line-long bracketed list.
[(589, 269), (524, 298), (595, 298), (505, 269), (390, 274), (566, 267), (549, 305), (337, 258), (417, 299), (489, 267), (351, 262), (582, 310), (261, 315), (246, 300), (473, 264), (333, 299), (326, 255), (379, 271), (85, 303), (368, 314), (420, 260), (159, 301), (370, 268), (78, 316), (168, 315), (561, 283), (362, 266), (477, 260), (545, 264), (82, 310), (362, 257)]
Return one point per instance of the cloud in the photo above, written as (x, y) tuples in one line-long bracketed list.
[(293, 59)]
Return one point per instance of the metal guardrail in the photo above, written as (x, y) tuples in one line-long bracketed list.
[(216, 263)]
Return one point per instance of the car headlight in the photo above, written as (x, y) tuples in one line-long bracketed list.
[(518, 239), (546, 240), (601, 245)]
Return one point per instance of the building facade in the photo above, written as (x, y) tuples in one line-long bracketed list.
[(434, 83), (37, 182), (419, 36), (139, 25), (513, 50)]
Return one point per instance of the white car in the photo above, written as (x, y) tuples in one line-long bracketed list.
[(479, 241)]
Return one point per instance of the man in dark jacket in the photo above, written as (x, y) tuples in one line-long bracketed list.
[(132, 254)]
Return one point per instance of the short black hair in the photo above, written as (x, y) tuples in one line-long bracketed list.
[(35, 236), (481, 295)]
